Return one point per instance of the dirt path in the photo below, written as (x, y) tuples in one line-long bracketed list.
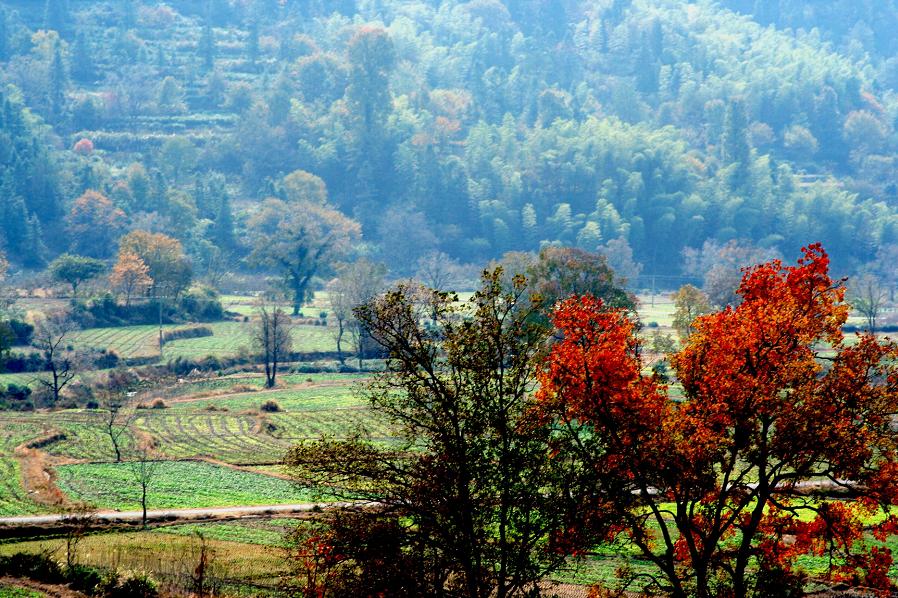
[(218, 513)]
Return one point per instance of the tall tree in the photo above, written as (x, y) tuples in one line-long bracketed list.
[(168, 267), (94, 224), (868, 296), (130, 275), (356, 284), (144, 465), (715, 491), (272, 336), (75, 270), (52, 336), (58, 82), (689, 303), (301, 241), (207, 47), (736, 144), (469, 496)]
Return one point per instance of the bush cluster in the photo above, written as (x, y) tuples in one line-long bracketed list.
[(81, 578), (189, 332)]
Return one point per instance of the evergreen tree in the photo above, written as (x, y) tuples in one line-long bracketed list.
[(4, 35), (56, 16), (252, 44), (223, 230), (83, 68), (57, 83), (736, 144), (207, 47)]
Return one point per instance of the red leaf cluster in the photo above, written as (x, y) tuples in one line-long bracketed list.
[(778, 413)]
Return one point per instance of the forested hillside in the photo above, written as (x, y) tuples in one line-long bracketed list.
[(639, 128)]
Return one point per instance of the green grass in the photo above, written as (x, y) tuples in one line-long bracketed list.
[(176, 484), (228, 340), (16, 429), (262, 532), (13, 592)]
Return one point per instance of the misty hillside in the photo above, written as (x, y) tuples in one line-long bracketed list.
[(635, 128)]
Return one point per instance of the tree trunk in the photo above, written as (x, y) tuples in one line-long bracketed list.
[(143, 502), (340, 341)]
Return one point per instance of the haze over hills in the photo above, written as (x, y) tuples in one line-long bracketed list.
[(470, 128)]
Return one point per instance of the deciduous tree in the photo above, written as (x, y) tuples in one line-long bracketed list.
[(867, 295), (75, 270), (273, 338), (130, 275), (300, 241), (355, 284), (467, 499), (52, 335), (94, 224), (164, 257), (716, 491), (689, 303)]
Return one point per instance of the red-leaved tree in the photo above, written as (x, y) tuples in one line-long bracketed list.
[(780, 444)]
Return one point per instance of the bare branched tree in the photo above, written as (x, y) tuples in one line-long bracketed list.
[(144, 465), (52, 334), (272, 336), (867, 295), (77, 520), (355, 284)]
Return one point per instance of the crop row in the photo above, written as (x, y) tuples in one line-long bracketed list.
[(175, 484)]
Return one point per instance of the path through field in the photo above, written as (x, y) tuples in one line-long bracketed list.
[(219, 513)]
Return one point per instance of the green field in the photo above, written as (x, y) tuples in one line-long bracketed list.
[(175, 484), (229, 339), (228, 427)]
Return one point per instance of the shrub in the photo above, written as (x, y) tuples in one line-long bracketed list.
[(38, 567), (130, 584), (16, 398), (189, 332), (23, 331), (270, 407), (85, 579)]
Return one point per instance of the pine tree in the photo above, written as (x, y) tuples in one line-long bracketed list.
[(252, 43), (4, 35), (736, 145), (56, 16), (223, 231), (83, 68), (207, 47), (58, 82)]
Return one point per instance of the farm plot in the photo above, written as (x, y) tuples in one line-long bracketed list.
[(170, 557), (176, 484), (261, 532), (14, 431), (306, 399), (232, 338), (228, 340), (126, 341), (233, 438)]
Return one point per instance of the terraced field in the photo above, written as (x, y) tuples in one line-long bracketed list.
[(225, 427), (175, 484), (14, 431), (229, 339)]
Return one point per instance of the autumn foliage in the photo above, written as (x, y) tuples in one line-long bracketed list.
[(781, 446)]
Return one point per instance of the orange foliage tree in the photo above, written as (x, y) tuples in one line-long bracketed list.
[(93, 224), (782, 444), (130, 275), (168, 266)]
